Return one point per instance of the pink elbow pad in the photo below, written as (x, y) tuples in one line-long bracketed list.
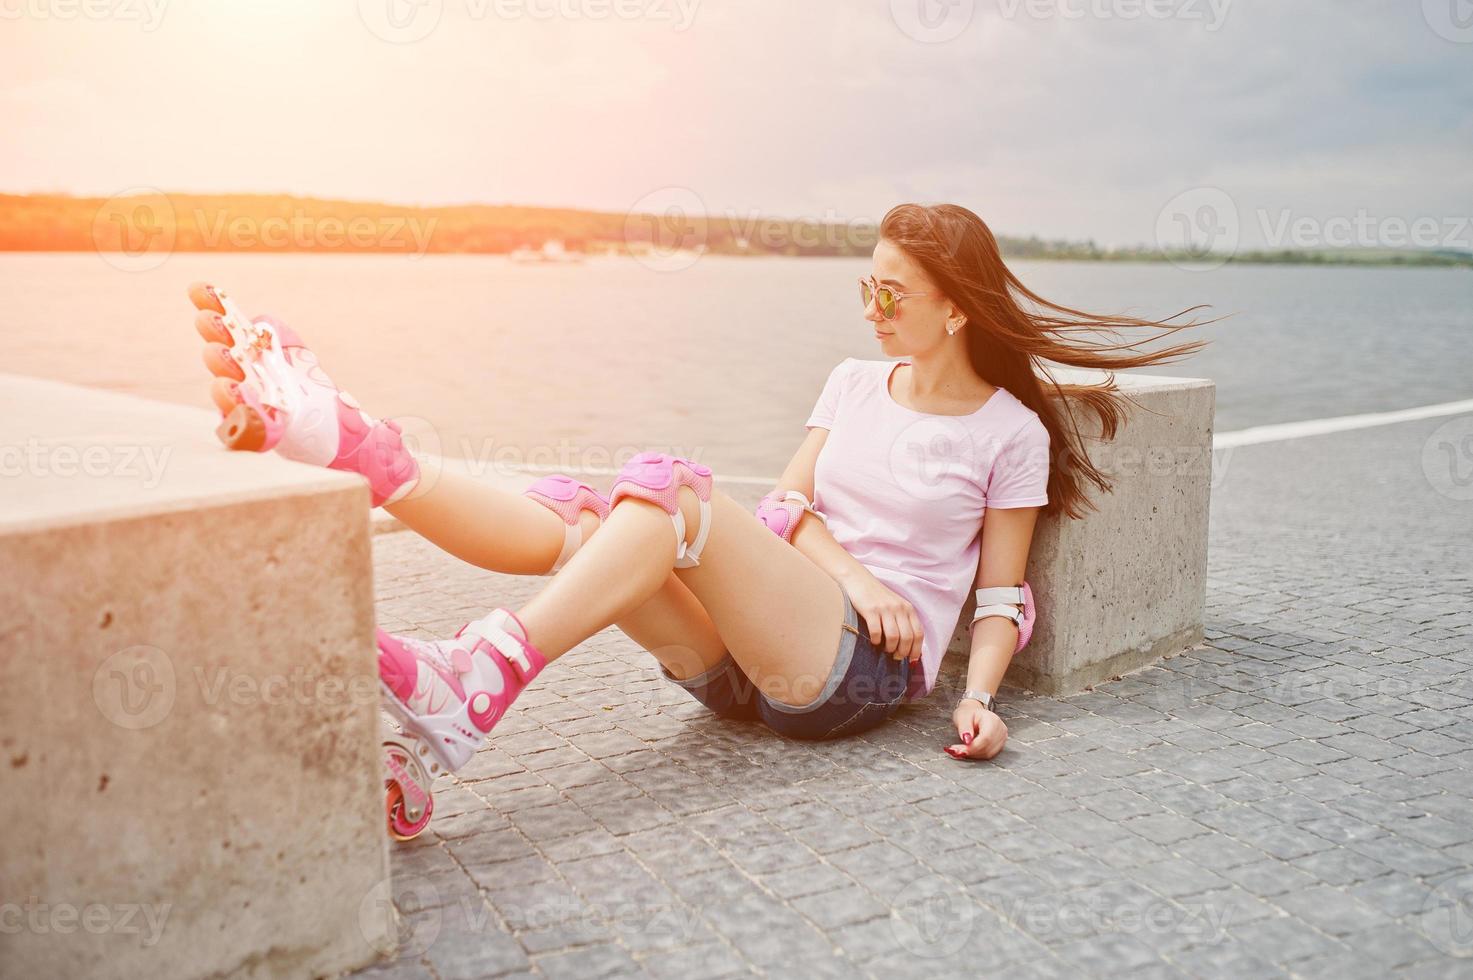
[(1001, 601), (782, 510)]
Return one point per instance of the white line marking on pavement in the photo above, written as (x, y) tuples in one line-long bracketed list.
[(1317, 427)]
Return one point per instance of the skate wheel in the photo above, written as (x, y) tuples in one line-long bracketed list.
[(243, 429), (399, 828), (204, 297), (220, 362)]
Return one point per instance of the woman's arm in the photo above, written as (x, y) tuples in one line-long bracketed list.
[(893, 623), (1007, 535)]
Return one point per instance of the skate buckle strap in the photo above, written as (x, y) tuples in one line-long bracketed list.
[(999, 600), (516, 652), (689, 556)]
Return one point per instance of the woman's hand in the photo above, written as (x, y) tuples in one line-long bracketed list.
[(982, 733), (893, 624)]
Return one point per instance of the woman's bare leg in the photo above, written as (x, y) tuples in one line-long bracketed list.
[(778, 613), (492, 528), (509, 532)]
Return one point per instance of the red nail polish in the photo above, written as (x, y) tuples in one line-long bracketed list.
[(967, 738)]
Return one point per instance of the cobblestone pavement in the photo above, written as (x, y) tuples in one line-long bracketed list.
[(1292, 798)]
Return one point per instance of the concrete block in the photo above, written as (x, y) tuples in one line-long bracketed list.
[(188, 683), (1126, 585)]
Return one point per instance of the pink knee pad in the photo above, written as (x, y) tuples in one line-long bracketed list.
[(781, 510), (568, 499), (1000, 601), (658, 477)]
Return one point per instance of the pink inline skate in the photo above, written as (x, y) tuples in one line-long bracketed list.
[(274, 395), (446, 695)]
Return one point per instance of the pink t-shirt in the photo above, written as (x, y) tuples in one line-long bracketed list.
[(904, 492)]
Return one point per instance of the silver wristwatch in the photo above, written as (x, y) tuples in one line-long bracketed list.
[(988, 701)]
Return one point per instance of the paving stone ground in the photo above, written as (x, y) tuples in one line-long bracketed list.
[(1292, 798)]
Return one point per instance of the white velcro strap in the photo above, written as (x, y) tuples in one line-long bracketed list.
[(572, 540), (1000, 593), (690, 556), (489, 629), (1000, 600), (806, 504), (1007, 612)]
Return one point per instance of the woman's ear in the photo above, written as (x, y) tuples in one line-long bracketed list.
[(955, 319)]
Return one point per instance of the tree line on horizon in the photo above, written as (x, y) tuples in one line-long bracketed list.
[(282, 223)]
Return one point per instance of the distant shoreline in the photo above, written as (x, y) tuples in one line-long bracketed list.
[(256, 223)]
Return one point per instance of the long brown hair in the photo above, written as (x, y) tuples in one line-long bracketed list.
[(1011, 331)]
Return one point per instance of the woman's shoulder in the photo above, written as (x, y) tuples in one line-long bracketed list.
[(1012, 420)]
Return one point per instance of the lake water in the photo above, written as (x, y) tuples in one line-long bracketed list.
[(577, 365)]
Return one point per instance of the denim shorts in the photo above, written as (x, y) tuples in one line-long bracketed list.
[(865, 687)]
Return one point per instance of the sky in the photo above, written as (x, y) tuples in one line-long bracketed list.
[(1116, 120)]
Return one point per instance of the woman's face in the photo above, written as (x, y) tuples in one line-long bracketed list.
[(920, 321)]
